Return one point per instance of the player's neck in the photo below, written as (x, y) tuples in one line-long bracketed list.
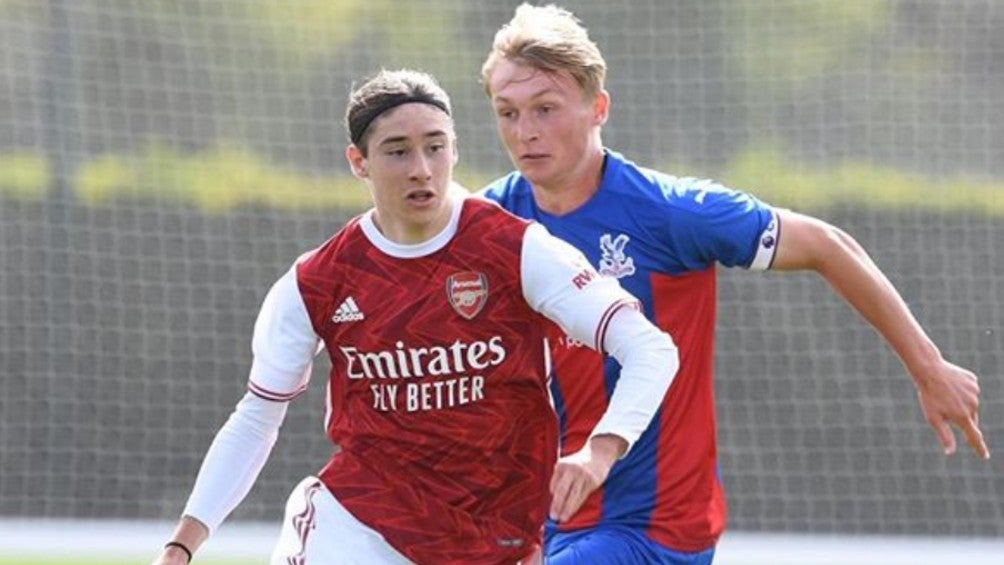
[(404, 232), (573, 190)]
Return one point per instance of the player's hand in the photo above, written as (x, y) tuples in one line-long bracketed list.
[(577, 475), (169, 557), (950, 395)]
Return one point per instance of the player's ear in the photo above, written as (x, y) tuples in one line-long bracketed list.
[(356, 161), (601, 107)]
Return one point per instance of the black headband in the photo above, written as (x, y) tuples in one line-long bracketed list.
[(391, 104)]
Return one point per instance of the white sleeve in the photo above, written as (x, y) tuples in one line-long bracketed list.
[(560, 283), (284, 346), (284, 343), (234, 459), (649, 361)]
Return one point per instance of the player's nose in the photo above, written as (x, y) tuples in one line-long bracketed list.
[(421, 169)]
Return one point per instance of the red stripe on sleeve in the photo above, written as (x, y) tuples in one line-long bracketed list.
[(272, 395), (601, 328)]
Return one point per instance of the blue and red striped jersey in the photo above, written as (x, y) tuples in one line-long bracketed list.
[(661, 236)]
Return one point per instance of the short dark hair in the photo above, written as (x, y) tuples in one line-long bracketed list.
[(386, 90)]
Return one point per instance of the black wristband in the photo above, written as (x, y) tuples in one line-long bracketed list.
[(180, 546)]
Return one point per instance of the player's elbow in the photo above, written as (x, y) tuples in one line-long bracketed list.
[(840, 238), (836, 248), (671, 356), (635, 341), (818, 245), (662, 352)]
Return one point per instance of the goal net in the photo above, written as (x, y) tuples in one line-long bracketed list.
[(162, 162)]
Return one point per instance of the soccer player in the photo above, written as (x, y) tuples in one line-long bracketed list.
[(662, 236), (433, 309)]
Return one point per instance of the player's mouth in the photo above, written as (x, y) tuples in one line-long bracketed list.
[(420, 197), (533, 157)]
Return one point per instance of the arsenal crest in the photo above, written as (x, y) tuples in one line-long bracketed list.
[(467, 292)]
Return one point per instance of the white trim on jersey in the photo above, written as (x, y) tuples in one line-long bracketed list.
[(766, 247), (557, 281), (318, 529), (560, 283), (410, 251)]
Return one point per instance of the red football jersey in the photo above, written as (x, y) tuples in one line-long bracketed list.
[(438, 394), (438, 391)]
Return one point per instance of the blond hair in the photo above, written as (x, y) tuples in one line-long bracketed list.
[(551, 39)]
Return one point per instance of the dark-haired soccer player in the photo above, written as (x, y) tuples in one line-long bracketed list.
[(433, 310)]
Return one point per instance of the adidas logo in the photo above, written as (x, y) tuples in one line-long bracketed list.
[(348, 312)]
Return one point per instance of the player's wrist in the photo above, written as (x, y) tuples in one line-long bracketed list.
[(922, 359), (926, 368), (607, 447), (176, 549)]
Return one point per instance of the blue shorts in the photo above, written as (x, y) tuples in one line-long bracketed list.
[(615, 545)]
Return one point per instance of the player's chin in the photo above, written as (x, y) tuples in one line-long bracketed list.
[(536, 171)]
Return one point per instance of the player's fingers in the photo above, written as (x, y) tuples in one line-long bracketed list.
[(575, 502), (576, 496), (557, 495), (974, 437), (945, 435), (560, 486)]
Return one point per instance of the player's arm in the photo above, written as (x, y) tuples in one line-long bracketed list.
[(284, 345), (560, 283), (228, 471), (948, 394), (649, 361)]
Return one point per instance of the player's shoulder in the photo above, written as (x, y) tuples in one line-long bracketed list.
[(679, 197), (685, 193), (510, 191), (701, 195), (489, 217)]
